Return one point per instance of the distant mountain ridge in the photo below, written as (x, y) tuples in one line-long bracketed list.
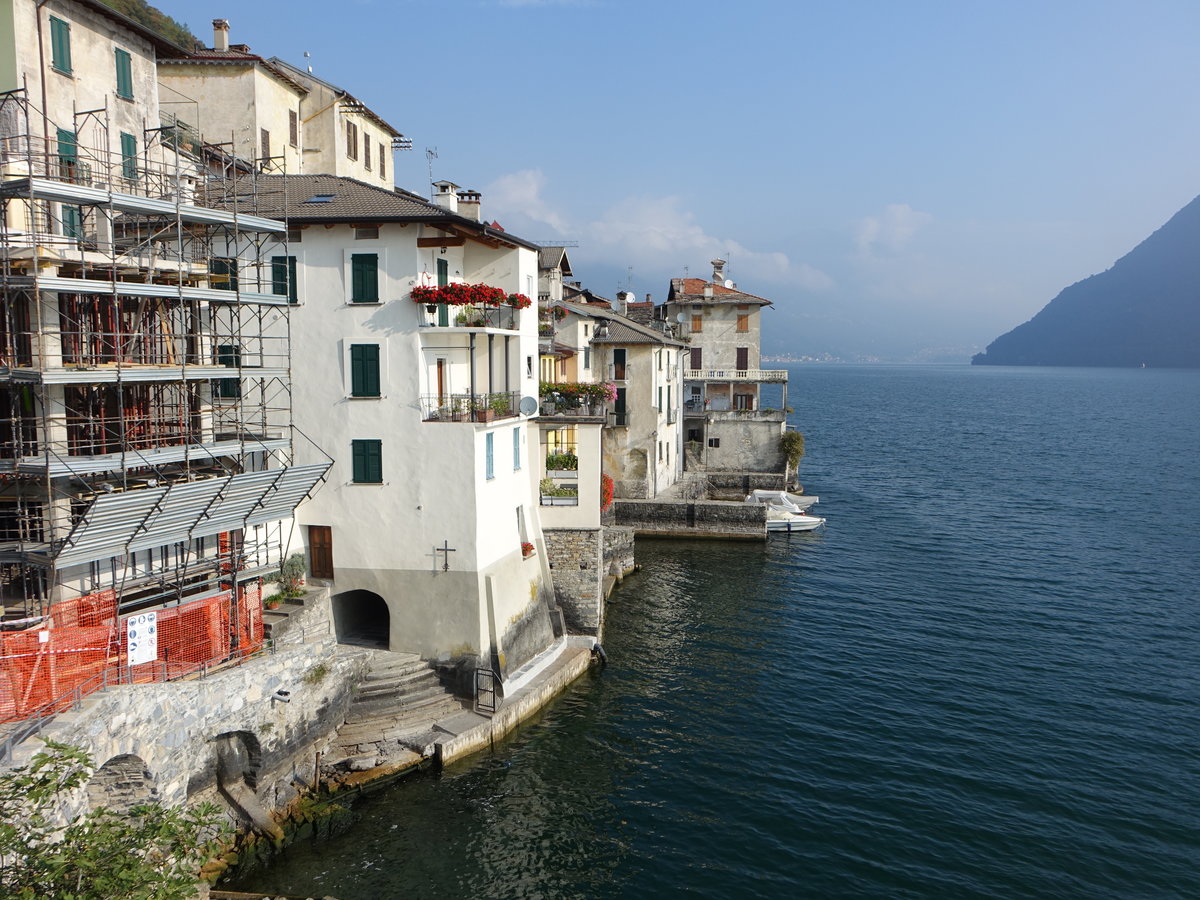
[(1143, 310)]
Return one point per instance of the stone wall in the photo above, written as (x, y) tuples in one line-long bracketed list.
[(619, 558), (699, 518), (737, 485), (162, 740), (577, 565)]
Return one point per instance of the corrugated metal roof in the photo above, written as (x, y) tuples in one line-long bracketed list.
[(115, 524)]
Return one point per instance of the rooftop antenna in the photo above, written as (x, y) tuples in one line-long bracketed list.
[(308, 55), (430, 156)]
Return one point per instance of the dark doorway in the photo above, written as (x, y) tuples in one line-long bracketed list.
[(362, 618)]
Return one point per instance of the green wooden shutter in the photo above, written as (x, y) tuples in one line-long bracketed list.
[(60, 45), (227, 271), (72, 222), (364, 278), (228, 388), (443, 272), (364, 370), (129, 157), (124, 74), (367, 458), (68, 148), (283, 277)]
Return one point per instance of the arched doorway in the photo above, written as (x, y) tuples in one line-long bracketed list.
[(362, 618), (121, 783)]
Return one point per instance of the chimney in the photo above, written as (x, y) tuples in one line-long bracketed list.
[(468, 205), (444, 195), (623, 297), (718, 271), (648, 300), (221, 34)]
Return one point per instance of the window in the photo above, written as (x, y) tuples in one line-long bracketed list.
[(660, 459), (516, 449), (228, 388), (129, 157), (223, 273), (443, 272), (742, 358), (364, 370), (293, 128), (264, 144), (295, 235), (283, 277), (366, 232), (715, 443), (382, 164), (490, 447), (743, 322), (351, 140), (68, 154), (367, 153), (618, 358), (72, 222), (364, 278), (660, 398), (60, 45), (124, 74), (697, 324), (587, 357), (367, 457), (658, 360), (697, 358)]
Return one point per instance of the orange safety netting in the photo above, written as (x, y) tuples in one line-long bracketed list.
[(80, 647)]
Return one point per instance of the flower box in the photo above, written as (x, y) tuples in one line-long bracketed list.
[(549, 500), (562, 473)]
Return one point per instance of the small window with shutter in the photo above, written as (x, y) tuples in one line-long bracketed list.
[(364, 278), (293, 128), (364, 370)]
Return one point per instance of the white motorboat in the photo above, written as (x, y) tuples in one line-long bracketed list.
[(787, 512)]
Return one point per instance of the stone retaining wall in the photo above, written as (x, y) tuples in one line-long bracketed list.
[(694, 518), (577, 566), (169, 734)]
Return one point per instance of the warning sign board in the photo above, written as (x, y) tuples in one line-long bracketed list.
[(141, 636)]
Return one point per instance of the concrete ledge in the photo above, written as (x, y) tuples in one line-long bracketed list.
[(571, 662)]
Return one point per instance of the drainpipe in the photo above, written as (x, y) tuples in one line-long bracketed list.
[(37, 14)]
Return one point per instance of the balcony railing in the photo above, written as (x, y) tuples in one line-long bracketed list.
[(482, 407), (769, 375), (618, 419), (444, 315)]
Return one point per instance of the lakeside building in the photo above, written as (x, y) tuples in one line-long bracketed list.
[(146, 467), (727, 427), (428, 531), (285, 117)]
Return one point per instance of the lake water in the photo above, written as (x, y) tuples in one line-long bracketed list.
[(979, 680)]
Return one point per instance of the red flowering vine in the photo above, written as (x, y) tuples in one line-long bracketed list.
[(606, 492)]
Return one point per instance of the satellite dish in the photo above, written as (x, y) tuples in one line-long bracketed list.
[(728, 283), (529, 405), (680, 318)]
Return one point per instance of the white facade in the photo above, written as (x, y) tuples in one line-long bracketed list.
[(448, 476)]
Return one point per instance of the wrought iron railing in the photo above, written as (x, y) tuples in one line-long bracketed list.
[(480, 407)]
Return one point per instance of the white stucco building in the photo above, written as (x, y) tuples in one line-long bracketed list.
[(424, 409)]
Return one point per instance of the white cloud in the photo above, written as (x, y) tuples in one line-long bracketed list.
[(890, 230), (656, 235)]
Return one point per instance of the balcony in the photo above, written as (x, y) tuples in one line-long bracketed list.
[(445, 315), (482, 407), (773, 376)]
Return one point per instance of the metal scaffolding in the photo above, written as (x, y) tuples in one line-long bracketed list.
[(144, 347)]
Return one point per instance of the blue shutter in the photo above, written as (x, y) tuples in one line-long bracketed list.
[(516, 449), (490, 444)]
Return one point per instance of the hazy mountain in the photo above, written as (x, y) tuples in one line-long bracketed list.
[(1145, 309)]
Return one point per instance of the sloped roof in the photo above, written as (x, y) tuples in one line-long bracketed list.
[(164, 48), (554, 257), (347, 200), (621, 330), (238, 54), (303, 76), (692, 290)]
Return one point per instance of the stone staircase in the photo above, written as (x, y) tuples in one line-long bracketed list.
[(394, 710)]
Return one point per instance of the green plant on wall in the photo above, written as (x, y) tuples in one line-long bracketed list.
[(792, 445)]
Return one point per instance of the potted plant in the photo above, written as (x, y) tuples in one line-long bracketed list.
[(501, 405), (562, 465), (526, 549), (481, 411)]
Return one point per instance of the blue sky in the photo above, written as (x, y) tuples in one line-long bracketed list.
[(905, 180)]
